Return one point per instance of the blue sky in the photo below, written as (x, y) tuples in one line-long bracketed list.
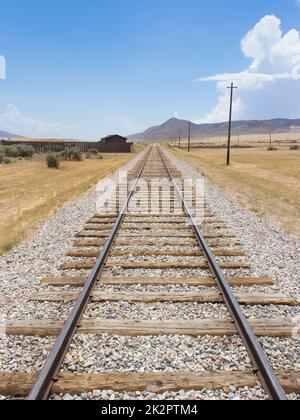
[(83, 69)]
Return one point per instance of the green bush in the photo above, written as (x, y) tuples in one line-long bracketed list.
[(64, 154), (11, 151), (18, 150), (53, 161), (77, 155), (24, 150), (1, 157), (7, 160), (72, 154)]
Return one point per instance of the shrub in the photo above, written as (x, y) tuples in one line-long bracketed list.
[(272, 149), (93, 151), (1, 156), (18, 150), (7, 160), (296, 147), (11, 151), (77, 155), (100, 157), (64, 154), (53, 161), (24, 150), (72, 154)]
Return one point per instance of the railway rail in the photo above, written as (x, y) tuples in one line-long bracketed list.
[(97, 252)]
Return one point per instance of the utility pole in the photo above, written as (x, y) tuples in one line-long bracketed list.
[(179, 139), (189, 137), (230, 122)]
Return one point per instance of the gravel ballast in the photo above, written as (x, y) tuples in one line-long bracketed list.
[(270, 252)]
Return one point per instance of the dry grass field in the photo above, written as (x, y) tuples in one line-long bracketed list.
[(267, 183), (257, 140), (30, 192)]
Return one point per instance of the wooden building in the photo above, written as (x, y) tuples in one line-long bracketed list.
[(115, 144), (109, 144)]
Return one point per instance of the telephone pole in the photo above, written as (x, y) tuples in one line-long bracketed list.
[(179, 139), (230, 122), (189, 137)]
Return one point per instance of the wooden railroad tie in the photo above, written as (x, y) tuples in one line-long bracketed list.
[(196, 328), (156, 281), (160, 221), (20, 384), (96, 242), (127, 226), (147, 234), (124, 265), (158, 215), (202, 297), (94, 254)]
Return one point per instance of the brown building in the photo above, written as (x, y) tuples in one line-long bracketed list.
[(109, 144), (115, 144)]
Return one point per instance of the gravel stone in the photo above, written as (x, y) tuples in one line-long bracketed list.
[(270, 252)]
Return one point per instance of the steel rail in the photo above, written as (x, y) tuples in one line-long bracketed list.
[(262, 366), (42, 387)]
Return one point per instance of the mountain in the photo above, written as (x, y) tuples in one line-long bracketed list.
[(5, 135), (171, 127)]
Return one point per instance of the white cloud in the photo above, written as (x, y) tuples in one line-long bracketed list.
[(13, 121), (270, 86), (2, 67)]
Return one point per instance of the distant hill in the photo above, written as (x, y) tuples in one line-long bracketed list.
[(5, 135), (171, 127)]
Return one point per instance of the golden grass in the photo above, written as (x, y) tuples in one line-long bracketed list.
[(257, 140), (30, 191), (267, 183)]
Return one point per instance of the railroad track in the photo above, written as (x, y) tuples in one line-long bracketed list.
[(112, 251)]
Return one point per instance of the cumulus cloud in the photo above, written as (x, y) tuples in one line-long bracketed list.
[(13, 121), (2, 67), (270, 86)]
